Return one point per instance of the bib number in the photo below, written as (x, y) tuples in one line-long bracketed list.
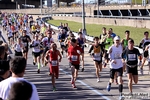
[(25, 44), (54, 63), (62, 43), (97, 56), (74, 58)]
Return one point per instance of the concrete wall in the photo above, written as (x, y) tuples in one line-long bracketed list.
[(109, 21)]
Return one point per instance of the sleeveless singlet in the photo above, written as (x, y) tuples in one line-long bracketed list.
[(97, 53), (37, 46), (53, 57)]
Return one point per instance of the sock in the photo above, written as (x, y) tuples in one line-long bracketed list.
[(120, 88), (39, 65)]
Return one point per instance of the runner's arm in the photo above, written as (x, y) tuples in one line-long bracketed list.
[(46, 56), (91, 48)]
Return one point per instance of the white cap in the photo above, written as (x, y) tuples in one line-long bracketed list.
[(116, 38)]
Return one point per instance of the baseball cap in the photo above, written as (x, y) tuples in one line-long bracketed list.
[(116, 38)]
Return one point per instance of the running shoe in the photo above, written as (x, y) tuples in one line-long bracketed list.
[(38, 71), (140, 63), (121, 97), (34, 63), (125, 74), (108, 88), (54, 88), (98, 80), (82, 70), (73, 85), (141, 71)]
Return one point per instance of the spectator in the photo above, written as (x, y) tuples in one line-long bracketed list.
[(7, 56), (21, 90), (17, 67)]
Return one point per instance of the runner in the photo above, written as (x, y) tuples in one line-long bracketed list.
[(46, 41), (81, 41), (111, 32), (107, 43), (116, 65), (97, 56), (25, 39), (103, 35), (74, 53), (36, 52), (61, 37), (54, 59), (125, 44), (130, 54), (18, 47), (145, 41)]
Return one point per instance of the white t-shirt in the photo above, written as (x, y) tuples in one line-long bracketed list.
[(46, 42), (6, 84), (116, 55)]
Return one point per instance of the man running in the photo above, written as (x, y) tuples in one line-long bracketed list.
[(74, 53), (81, 41), (46, 41), (36, 52), (130, 54), (18, 47), (145, 41), (25, 39), (116, 65), (54, 58), (97, 56)]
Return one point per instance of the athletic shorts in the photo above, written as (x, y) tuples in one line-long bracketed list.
[(106, 55), (145, 54), (36, 54), (77, 67), (99, 62), (34, 32), (25, 50), (14, 33), (54, 70), (113, 71), (133, 71), (18, 53), (45, 50), (10, 38)]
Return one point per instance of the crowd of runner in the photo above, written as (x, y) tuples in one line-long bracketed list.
[(23, 33)]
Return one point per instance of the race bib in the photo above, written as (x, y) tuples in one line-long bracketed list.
[(74, 58), (131, 57), (96, 55), (62, 43), (25, 44), (54, 63), (117, 56)]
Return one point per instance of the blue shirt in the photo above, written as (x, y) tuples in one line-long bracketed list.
[(113, 35)]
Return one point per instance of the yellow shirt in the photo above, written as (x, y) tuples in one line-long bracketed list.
[(33, 28)]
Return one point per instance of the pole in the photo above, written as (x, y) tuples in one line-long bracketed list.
[(25, 4), (83, 19), (41, 7), (16, 5), (97, 8)]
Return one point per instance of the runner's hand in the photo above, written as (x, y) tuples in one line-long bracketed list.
[(113, 61)]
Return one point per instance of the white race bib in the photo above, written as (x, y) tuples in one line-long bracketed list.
[(62, 43), (97, 56), (74, 58), (117, 55), (131, 57), (25, 44), (54, 63)]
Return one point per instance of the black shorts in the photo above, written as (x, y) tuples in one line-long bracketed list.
[(133, 71), (34, 32), (75, 66), (106, 55), (99, 62), (36, 54), (63, 46), (10, 38), (45, 50), (145, 54), (18, 53), (14, 33), (25, 50), (113, 71)]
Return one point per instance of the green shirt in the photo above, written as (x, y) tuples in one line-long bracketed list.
[(110, 41)]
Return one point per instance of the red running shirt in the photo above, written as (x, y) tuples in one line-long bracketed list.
[(53, 57), (74, 54)]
